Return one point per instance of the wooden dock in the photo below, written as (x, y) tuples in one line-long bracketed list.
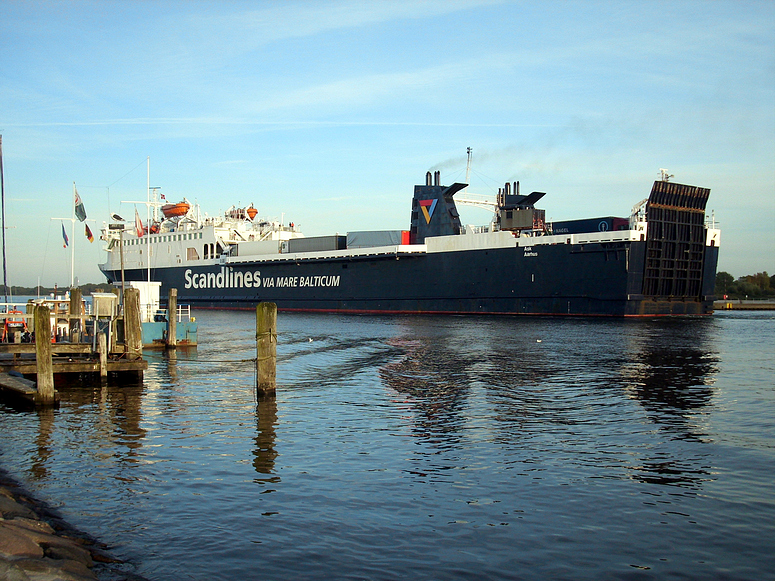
[(44, 357), (22, 390), (66, 358)]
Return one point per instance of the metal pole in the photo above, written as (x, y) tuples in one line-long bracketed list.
[(147, 216), (2, 196), (72, 243), (121, 254)]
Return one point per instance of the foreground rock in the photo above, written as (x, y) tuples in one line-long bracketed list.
[(37, 545)]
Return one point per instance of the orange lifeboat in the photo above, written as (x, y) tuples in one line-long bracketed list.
[(175, 210), (252, 212)]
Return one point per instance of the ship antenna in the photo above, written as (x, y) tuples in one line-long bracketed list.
[(664, 176), (468, 164)]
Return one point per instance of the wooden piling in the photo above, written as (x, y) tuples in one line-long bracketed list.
[(102, 346), (172, 318), (133, 329), (266, 348), (76, 309), (45, 369)]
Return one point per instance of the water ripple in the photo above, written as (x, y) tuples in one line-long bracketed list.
[(426, 448)]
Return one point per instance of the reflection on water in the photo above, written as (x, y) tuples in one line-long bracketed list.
[(42, 451), (395, 445), (541, 383), (433, 384), (265, 453), (670, 369)]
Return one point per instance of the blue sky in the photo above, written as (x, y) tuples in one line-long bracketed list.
[(328, 113)]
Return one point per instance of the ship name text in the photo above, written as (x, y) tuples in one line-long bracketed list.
[(229, 278), (529, 251)]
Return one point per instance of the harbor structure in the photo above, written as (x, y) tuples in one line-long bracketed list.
[(56, 341)]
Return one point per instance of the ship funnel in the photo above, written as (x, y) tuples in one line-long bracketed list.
[(434, 212), (437, 178), (428, 179)]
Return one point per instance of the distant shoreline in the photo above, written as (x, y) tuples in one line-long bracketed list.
[(744, 305), (34, 291)]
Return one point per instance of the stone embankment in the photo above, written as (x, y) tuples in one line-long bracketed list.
[(37, 545)]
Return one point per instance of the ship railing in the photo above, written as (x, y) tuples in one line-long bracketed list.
[(472, 229), (183, 313), (152, 312), (582, 238)]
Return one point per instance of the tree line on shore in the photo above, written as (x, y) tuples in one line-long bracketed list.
[(752, 286), (86, 290)]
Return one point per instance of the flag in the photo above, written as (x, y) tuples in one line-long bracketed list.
[(80, 211), (162, 197), (138, 225), (89, 235), (64, 236)]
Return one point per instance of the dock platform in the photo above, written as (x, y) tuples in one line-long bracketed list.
[(67, 341), (66, 358), (20, 389)]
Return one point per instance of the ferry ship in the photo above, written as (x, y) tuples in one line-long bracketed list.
[(661, 260)]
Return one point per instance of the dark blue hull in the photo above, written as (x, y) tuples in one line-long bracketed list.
[(605, 279)]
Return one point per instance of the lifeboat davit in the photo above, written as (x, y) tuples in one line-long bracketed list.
[(175, 210)]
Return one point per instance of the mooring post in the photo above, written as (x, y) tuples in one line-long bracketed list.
[(45, 369), (75, 325), (102, 347), (133, 328), (266, 348), (172, 318)]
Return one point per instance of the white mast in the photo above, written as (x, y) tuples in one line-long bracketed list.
[(474, 199), (147, 214), (148, 203)]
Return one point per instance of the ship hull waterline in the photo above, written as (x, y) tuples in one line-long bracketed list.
[(576, 280)]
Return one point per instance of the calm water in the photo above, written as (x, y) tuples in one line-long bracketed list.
[(427, 448)]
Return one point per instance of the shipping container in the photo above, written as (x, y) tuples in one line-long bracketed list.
[(317, 243), (373, 238), (256, 247), (605, 224)]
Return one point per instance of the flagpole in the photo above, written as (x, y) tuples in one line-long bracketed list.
[(72, 245), (2, 199), (147, 212), (79, 214)]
